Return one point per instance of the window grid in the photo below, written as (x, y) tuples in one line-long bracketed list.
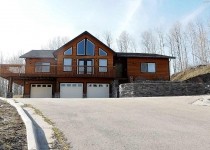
[(67, 64), (148, 67), (86, 47), (102, 65), (42, 67)]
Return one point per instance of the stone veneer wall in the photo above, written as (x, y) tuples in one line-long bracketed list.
[(162, 89)]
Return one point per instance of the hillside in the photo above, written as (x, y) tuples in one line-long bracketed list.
[(199, 73)]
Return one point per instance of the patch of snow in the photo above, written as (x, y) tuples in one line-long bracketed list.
[(202, 101)]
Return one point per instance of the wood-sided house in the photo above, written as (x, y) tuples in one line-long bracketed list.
[(83, 67)]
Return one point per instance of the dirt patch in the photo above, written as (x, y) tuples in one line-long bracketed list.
[(12, 128)]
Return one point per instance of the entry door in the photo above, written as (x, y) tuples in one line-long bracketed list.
[(85, 66)]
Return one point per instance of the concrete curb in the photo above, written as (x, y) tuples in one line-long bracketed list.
[(30, 129)]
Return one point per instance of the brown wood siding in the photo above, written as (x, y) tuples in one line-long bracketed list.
[(56, 85), (162, 68), (96, 57), (30, 64)]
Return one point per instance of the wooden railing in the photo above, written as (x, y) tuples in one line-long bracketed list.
[(14, 70)]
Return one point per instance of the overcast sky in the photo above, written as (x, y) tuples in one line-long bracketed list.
[(27, 24)]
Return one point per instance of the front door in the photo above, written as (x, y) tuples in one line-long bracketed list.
[(85, 66)]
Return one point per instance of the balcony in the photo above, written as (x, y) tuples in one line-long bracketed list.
[(19, 70)]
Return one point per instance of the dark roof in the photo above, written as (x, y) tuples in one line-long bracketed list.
[(39, 54), (121, 54)]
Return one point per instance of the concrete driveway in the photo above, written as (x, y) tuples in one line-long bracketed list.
[(169, 123)]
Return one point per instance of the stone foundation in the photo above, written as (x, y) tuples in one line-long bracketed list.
[(162, 89)]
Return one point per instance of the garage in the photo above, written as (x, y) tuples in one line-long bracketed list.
[(71, 90), (97, 90), (41, 91)]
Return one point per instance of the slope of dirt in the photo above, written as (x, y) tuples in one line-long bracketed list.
[(196, 74), (12, 129)]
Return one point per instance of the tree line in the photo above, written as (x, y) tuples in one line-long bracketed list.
[(190, 44)]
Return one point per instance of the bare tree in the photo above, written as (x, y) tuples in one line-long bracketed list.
[(149, 42), (3, 83), (160, 40), (178, 46), (56, 43), (124, 42), (203, 44), (108, 38)]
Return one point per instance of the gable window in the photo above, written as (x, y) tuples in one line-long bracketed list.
[(148, 67), (85, 47), (42, 67), (102, 52), (102, 65), (68, 51), (67, 64)]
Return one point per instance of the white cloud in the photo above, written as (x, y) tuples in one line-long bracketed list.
[(194, 14), (133, 7)]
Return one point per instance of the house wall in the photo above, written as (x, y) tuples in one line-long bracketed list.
[(81, 80), (162, 68), (56, 84), (30, 64), (96, 57)]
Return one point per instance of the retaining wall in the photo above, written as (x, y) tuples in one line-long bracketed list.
[(162, 89)]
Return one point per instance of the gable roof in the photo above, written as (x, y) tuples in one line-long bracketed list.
[(38, 54), (84, 33), (148, 55)]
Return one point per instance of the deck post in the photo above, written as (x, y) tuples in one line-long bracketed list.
[(9, 88)]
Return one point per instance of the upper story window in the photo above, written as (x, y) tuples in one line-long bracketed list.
[(102, 52), (148, 67), (67, 64), (85, 47), (102, 65), (42, 67), (68, 51)]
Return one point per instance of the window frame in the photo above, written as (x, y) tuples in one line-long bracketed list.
[(147, 69), (100, 67), (67, 66), (85, 47), (39, 67), (69, 49), (99, 53)]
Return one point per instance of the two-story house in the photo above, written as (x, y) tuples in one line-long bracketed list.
[(83, 67)]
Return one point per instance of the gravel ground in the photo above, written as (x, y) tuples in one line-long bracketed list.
[(12, 129)]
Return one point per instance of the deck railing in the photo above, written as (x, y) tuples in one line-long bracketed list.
[(15, 70)]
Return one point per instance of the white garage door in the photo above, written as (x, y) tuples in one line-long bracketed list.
[(97, 90), (71, 90), (41, 91)]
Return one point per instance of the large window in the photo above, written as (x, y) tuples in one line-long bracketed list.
[(68, 51), (85, 66), (85, 47), (102, 52), (42, 67), (102, 65), (67, 64), (148, 67)]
